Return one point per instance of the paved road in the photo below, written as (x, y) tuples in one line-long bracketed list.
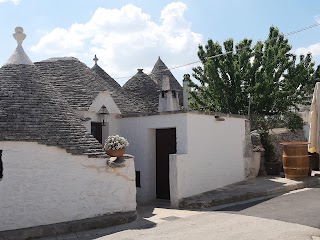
[(292, 216), (300, 206), (220, 226)]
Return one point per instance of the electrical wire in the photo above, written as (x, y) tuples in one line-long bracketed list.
[(226, 53)]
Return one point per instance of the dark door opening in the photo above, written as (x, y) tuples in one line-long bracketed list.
[(1, 165), (96, 131), (166, 144)]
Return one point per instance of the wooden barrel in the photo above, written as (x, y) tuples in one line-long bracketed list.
[(295, 160)]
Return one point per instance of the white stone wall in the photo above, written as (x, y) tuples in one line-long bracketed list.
[(141, 134), (215, 157), (216, 153), (44, 185), (210, 153)]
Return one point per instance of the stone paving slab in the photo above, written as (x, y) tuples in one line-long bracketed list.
[(246, 190)]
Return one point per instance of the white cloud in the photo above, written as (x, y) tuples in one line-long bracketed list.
[(314, 49), (16, 2), (125, 39)]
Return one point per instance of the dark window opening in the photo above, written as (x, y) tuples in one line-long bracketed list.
[(138, 179), (1, 165), (174, 95), (163, 94)]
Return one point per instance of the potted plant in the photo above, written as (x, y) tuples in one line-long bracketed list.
[(115, 146), (263, 124), (273, 166), (257, 163)]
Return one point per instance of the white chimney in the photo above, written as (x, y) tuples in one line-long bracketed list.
[(165, 83), (168, 98), (186, 90)]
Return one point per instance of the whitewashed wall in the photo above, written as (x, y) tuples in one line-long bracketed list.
[(210, 153), (44, 185), (103, 98), (141, 133), (215, 155)]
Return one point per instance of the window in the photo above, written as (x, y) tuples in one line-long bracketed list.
[(174, 95)]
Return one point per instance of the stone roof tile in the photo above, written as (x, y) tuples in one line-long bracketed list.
[(31, 109), (79, 85), (111, 84), (142, 86), (159, 70), (73, 79)]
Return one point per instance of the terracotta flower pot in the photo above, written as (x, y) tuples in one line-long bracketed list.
[(116, 153)]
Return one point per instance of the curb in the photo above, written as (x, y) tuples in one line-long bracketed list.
[(227, 197), (52, 230)]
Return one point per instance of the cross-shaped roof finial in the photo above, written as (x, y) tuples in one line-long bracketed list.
[(95, 59)]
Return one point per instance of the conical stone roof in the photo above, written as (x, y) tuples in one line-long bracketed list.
[(31, 109), (111, 84), (159, 70), (19, 56), (79, 86), (142, 86)]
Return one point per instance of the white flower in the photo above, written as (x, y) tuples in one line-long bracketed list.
[(115, 142)]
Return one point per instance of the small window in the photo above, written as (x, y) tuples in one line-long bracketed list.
[(163, 94), (138, 179), (174, 95), (1, 165)]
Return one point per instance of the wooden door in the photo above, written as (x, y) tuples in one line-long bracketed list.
[(96, 130), (166, 144)]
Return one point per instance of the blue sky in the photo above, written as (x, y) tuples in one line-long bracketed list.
[(127, 35)]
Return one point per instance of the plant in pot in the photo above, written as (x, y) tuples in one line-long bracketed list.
[(262, 124), (273, 166), (115, 146)]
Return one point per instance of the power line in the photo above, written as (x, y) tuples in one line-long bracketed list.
[(226, 53)]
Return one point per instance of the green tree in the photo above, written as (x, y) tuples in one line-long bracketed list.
[(268, 72)]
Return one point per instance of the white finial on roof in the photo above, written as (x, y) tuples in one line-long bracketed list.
[(19, 36), (19, 56), (95, 59)]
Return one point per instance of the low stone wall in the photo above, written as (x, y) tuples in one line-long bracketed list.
[(284, 135), (52, 230)]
